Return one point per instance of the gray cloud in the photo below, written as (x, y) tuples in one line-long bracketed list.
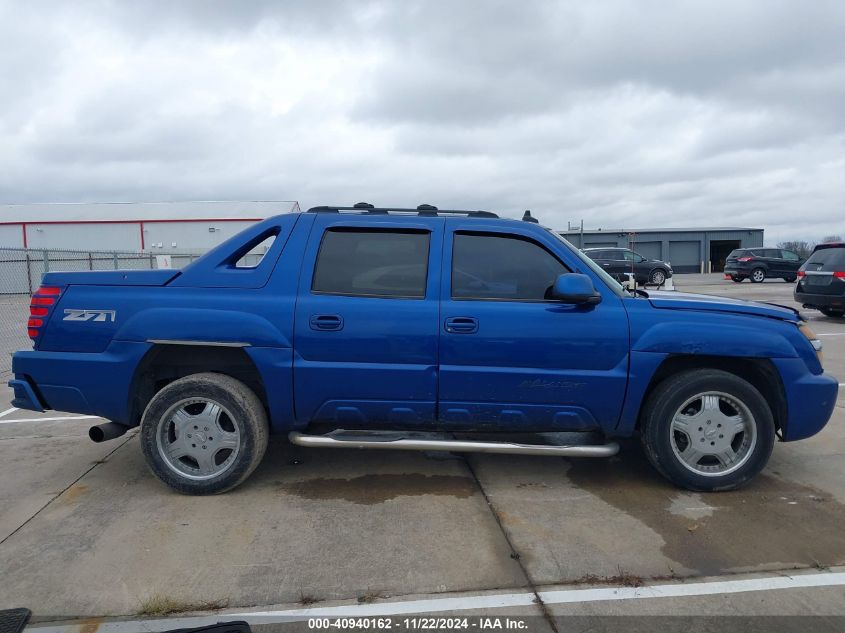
[(624, 113)]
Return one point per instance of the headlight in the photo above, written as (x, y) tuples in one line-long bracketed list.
[(814, 340)]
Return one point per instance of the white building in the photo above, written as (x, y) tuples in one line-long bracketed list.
[(154, 227)]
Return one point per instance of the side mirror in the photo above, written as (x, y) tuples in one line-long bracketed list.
[(575, 288)]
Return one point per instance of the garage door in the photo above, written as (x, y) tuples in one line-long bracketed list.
[(590, 244), (684, 257), (649, 250)]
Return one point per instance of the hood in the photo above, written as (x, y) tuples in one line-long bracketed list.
[(669, 300)]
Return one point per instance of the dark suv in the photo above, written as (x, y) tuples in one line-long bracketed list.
[(619, 261), (821, 280), (757, 264)]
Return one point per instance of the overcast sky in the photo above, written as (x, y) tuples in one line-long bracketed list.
[(626, 114)]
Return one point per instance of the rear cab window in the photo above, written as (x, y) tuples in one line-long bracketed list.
[(370, 262)]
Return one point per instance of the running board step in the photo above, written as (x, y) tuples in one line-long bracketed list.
[(404, 442)]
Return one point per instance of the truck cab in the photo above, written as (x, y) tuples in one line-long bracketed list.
[(417, 329)]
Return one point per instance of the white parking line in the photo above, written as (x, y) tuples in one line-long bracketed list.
[(566, 596), (831, 334), (8, 411), (69, 417), (467, 603)]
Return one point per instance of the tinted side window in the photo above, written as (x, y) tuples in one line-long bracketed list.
[(597, 254), (790, 256), (372, 263), (631, 256), (488, 266)]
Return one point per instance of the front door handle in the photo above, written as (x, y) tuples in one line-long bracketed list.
[(326, 322), (461, 325)]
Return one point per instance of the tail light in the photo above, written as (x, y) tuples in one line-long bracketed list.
[(801, 273), (40, 307), (840, 274), (745, 259)]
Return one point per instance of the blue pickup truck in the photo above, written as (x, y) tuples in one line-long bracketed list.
[(417, 329)]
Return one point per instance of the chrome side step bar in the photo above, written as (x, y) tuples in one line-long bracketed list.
[(402, 442)]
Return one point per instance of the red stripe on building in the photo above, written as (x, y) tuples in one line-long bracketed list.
[(134, 221)]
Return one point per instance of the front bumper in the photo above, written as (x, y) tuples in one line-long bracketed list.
[(810, 398)]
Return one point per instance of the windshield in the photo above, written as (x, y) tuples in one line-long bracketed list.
[(609, 281)]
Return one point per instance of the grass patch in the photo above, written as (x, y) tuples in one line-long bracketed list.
[(371, 596), (165, 605)]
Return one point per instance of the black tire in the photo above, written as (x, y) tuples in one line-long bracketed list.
[(757, 275), (657, 277), (737, 279), (657, 433), (836, 314), (244, 414)]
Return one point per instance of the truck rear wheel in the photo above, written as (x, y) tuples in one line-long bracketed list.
[(204, 433), (707, 430)]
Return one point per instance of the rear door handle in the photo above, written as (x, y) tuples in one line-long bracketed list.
[(326, 322), (461, 325)]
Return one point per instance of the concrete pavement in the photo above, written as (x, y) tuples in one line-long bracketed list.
[(85, 529)]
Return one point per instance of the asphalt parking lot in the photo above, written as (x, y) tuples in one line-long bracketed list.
[(86, 530)]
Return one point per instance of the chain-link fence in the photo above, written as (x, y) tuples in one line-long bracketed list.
[(21, 271)]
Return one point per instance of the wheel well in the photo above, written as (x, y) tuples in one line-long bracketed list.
[(760, 372), (165, 363)]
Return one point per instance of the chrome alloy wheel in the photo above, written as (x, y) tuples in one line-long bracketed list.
[(713, 434), (758, 275), (658, 277), (198, 439)]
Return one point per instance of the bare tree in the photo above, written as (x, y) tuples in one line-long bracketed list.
[(831, 238), (800, 247)]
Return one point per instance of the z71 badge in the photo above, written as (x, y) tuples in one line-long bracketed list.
[(73, 314)]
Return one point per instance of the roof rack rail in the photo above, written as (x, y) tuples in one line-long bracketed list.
[(424, 210)]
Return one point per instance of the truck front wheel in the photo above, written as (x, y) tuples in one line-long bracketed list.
[(707, 430), (204, 433)]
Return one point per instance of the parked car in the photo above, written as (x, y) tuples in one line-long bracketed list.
[(621, 261), (362, 327), (758, 264), (821, 280)]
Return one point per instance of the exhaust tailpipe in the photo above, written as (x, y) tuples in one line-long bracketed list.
[(107, 431)]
